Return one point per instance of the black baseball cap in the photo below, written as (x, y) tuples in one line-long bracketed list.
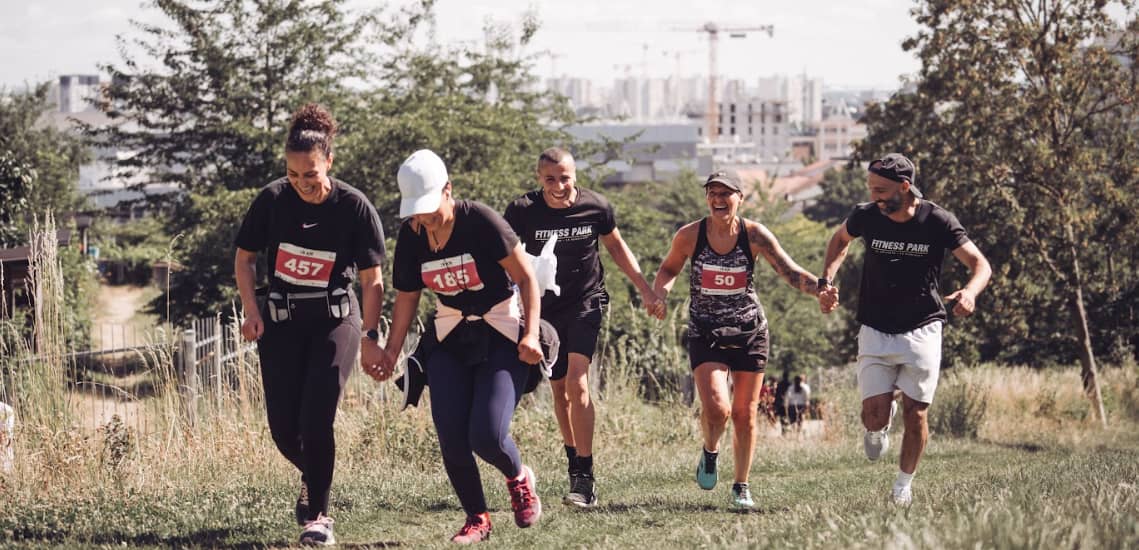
[(727, 178), (896, 167)]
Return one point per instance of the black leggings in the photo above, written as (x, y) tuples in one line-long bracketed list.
[(304, 367), (472, 407)]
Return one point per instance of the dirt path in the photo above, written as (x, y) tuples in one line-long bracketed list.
[(118, 321)]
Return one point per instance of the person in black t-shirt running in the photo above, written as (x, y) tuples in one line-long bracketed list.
[(579, 218), (317, 231), (900, 305), (727, 329), (485, 344)]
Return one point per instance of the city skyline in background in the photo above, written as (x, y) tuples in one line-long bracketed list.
[(849, 46)]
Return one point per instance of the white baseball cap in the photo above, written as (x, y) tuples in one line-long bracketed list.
[(421, 180)]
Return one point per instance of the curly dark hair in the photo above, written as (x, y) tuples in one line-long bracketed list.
[(312, 128)]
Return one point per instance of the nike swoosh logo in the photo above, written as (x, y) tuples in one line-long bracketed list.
[(308, 225)]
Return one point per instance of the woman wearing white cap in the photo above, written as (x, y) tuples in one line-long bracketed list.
[(487, 344), (727, 329)]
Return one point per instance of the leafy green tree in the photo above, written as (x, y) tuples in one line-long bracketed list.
[(39, 164), (476, 109), (841, 190), (15, 185), (1022, 122), (206, 106), (209, 100)]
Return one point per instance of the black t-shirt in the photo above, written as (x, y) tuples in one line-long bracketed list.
[(465, 274), (313, 246), (580, 274), (900, 288)]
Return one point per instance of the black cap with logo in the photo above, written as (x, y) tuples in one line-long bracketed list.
[(727, 178), (896, 167)]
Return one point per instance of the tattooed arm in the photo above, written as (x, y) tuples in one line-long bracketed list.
[(764, 243)]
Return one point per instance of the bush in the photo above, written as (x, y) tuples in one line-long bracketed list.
[(961, 407)]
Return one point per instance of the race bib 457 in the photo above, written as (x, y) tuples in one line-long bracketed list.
[(304, 266), (451, 276), (719, 280)]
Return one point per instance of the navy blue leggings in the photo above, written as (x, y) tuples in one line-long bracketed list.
[(472, 407), (304, 367)]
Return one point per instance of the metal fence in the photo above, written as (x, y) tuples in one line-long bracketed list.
[(202, 367)]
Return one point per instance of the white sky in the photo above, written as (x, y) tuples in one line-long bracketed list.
[(849, 43)]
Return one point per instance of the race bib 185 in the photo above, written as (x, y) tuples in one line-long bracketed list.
[(720, 281), (303, 266), (451, 276)]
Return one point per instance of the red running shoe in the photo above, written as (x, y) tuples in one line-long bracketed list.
[(524, 498), (476, 529)]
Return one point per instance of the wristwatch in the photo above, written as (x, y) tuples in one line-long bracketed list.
[(373, 335), (823, 282)]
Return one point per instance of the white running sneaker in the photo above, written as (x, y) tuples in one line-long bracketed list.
[(903, 495), (877, 442), (318, 532)]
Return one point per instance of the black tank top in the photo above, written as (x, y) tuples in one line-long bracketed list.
[(721, 288)]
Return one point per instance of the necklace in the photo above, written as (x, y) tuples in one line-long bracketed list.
[(435, 245)]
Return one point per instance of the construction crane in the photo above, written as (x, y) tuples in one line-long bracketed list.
[(712, 111)]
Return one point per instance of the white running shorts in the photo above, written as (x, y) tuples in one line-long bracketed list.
[(910, 361)]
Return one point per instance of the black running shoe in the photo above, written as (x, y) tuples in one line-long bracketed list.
[(581, 490)]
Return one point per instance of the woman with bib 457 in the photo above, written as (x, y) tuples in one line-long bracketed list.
[(318, 232), (727, 329)]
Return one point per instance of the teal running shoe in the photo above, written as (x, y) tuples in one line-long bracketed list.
[(706, 471)]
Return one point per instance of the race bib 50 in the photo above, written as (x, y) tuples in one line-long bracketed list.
[(303, 266), (720, 281), (451, 276)]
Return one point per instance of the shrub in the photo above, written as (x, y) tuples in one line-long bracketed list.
[(960, 409)]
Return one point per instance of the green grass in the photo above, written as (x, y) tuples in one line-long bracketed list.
[(228, 488)]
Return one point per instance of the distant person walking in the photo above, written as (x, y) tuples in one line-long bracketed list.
[(579, 218), (727, 329), (486, 343), (781, 389), (798, 399), (318, 232), (900, 305)]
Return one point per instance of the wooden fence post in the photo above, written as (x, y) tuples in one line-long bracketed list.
[(189, 373)]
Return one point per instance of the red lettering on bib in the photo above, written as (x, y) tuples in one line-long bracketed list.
[(304, 267), (720, 281), (451, 276)]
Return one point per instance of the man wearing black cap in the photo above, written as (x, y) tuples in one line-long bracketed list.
[(900, 305)]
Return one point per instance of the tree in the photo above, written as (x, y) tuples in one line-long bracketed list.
[(1022, 119), (212, 116), (206, 106), (476, 109), (841, 190), (39, 165), (208, 103)]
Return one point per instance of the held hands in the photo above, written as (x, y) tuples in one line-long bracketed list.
[(828, 299), (528, 350), (252, 327), (966, 302), (654, 304), (376, 361)]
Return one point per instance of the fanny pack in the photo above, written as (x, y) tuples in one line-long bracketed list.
[(308, 306), (733, 336)]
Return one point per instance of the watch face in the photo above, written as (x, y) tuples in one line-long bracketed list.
[(373, 334)]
